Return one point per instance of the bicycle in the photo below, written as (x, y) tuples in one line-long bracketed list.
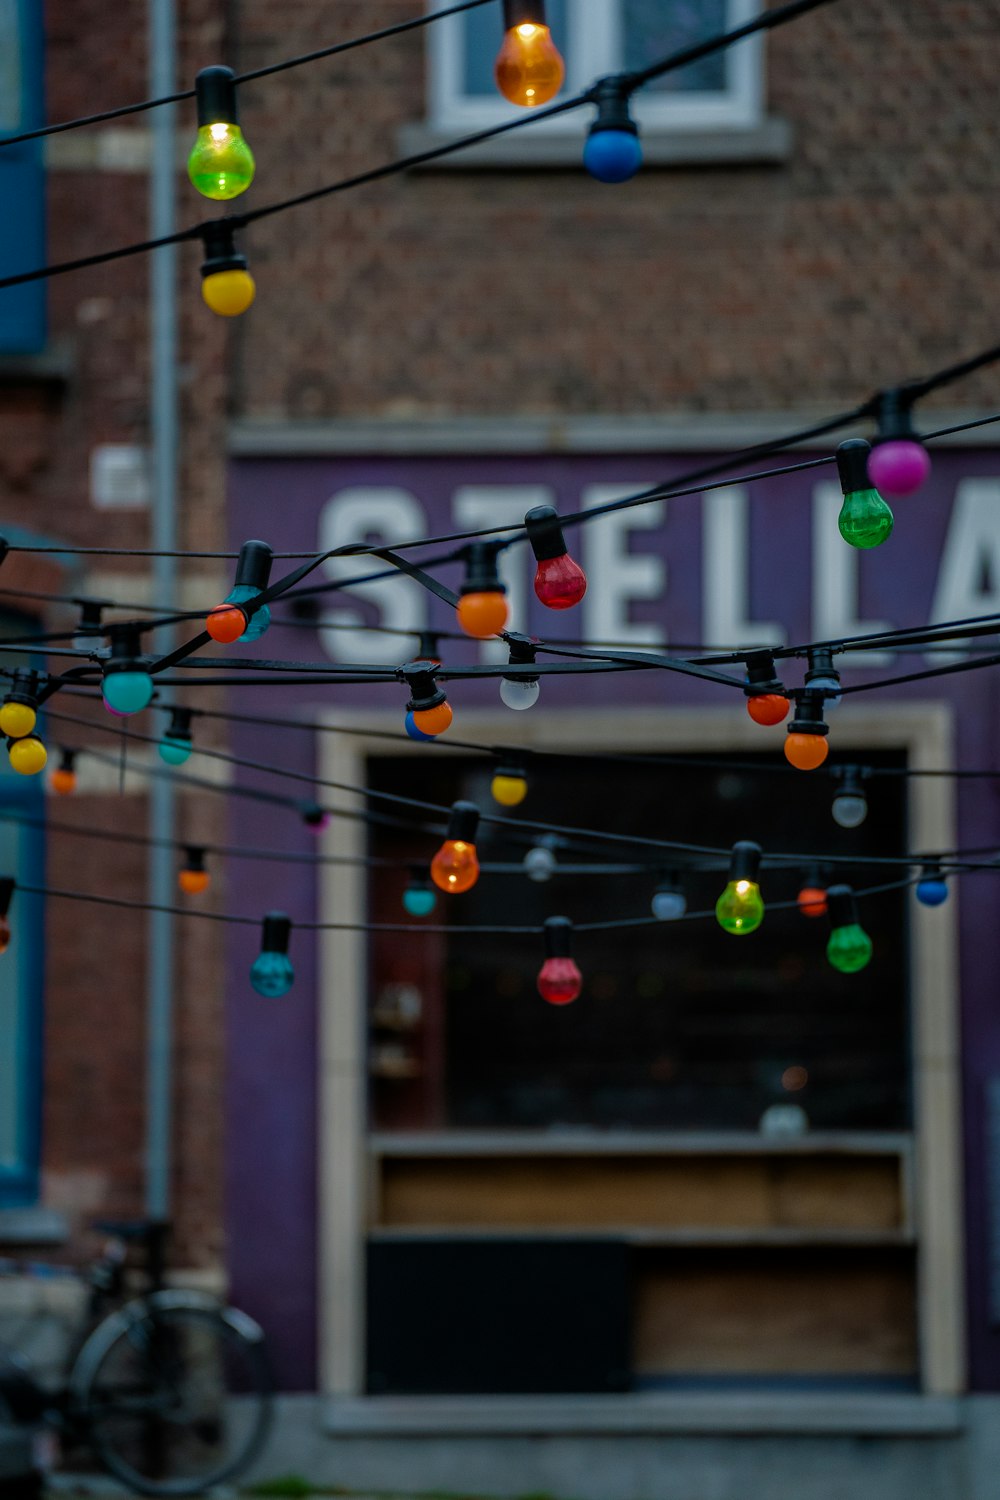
[(170, 1390)]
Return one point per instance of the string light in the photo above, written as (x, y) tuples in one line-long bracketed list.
[(509, 785), (613, 151), (221, 164), (806, 746), (559, 581), (271, 973), (765, 693), (898, 464), (519, 692), (540, 861), (482, 606), (193, 877), (932, 887), (669, 902), (865, 520), (19, 711), (811, 899), (63, 778), (850, 805), (455, 867), (428, 712), (176, 745), (419, 898), (227, 287), (529, 69), (740, 909), (849, 948), (230, 621), (127, 686), (559, 979)]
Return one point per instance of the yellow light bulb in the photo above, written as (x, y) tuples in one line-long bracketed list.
[(529, 70), (228, 293), (509, 788), (28, 755), (17, 720)]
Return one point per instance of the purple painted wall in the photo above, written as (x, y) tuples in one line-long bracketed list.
[(294, 503)]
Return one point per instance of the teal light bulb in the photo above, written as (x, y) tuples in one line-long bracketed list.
[(849, 948), (865, 520), (174, 751), (740, 908), (128, 692), (221, 164), (272, 975), (419, 900), (259, 620)]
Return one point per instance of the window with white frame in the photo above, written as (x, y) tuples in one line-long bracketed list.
[(597, 37)]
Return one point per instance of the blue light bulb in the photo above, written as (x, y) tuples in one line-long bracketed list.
[(174, 751), (272, 975), (409, 724), (128, 692), (419, 900), (259, 620), (612, 155), (932, 891)]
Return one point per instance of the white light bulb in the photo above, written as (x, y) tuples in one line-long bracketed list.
[(669, 905), (539, 863), (518, 692), (850, 809)]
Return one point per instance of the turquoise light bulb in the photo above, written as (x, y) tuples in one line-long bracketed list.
[(174, 751), (261, 618), (272, 975), (865, 520), (419, 901), (849, 948), (128, 692)]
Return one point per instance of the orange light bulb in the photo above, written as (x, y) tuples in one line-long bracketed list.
[(812, 901), (193, 882), (482, 615), (768, 708), (226, 624), (806, 751), (529, 69), (63, 782), (433, 720), (455, 867)]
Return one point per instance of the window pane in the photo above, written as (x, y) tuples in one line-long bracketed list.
[(652, 29), (482, 34)]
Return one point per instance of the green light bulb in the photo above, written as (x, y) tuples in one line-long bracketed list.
[(221, 164), (849, 948), (740, 909), (865, 520)]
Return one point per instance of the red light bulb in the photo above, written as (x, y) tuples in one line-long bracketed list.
[(559, 981), (768, 708), (559, 581), (226, 624), (812, 901)]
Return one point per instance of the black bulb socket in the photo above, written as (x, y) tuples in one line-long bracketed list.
[(8, 885), (126, 649), (23, 689), (67, 760), (463, 824), (809, 715), (842, 906), (852, 465), (558, 937), (179, 727), (428, 647), (253, 567), (275, 931), (220, 249), (613, 113), (744, 862), (481, 574), (761, 676), (523, 13), (522, 654), (313, 815), (194, 859), (215, 96), (424, 691), (894, 417), (545, 533)]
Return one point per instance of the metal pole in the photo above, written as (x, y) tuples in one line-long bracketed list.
[(164, 467)]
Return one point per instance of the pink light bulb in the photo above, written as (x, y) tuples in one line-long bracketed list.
[(560, 582), (899, 467), (559, 981)]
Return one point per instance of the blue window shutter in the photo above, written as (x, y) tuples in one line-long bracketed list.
[(22, 174)]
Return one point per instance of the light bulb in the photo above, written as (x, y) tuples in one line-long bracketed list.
[(17, 719), (192, 877), (410, 725), (509, 787), (253, 574), (865, 520), (127, 692), (559, 581), (812, 901), (428, 713), (849, 948), (932, 888), (482, 606), (768, 708), (539, 863), (228, 293), (226, 623), (314, 816), (669, 903), (419, 899), (271, 973), (740, 909), (899, 468), (221, 164), (850, 809), (529, 70), (27, 755), (613, 151), (257, 622), (175, 750), (455, 867), (519, 692), (806, 751), (559, 979), (432, 721), (63, 782)]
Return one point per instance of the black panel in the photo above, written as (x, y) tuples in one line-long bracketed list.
[(458, 1317)]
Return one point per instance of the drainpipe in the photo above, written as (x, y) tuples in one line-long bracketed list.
[(164, 446)]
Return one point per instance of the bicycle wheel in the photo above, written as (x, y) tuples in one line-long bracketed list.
[(174, 1393)]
